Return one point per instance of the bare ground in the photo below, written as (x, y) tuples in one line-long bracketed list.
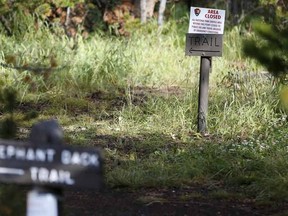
[(146, 202), (156, 201)]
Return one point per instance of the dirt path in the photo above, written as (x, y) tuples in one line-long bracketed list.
[(159, 202)]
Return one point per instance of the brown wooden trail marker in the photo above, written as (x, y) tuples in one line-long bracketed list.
[(205, 39), (49, 166)]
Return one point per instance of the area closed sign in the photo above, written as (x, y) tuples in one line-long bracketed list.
[(58, 166), (205, 33)]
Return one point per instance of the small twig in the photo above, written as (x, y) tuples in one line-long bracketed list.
[(67, 21), (5, 25), (36, 70)]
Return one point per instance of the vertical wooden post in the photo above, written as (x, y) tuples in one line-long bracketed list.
[(44, 201), (47, 200), (205, 67)]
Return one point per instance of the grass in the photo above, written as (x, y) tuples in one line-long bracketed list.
[(136, 97)]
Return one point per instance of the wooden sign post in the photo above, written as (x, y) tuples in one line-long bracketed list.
[(205, 39), (49, 166)]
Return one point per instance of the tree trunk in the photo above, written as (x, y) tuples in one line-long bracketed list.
[(235, 11), (150, 7), (161, 12), (143, 7), (228, 9), (243, 7), (140, 9), (189, 4)]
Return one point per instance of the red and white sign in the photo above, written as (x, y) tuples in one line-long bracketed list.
[(206, 21)]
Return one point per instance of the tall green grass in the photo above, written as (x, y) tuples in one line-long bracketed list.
[(157, 86), (240, 103)]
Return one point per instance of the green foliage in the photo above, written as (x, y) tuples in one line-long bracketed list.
[(269, 48), (8, 105), (276, 12), (31, 5), (137, 98), (110, 4), (8, 128), (17, 17), (66, 3), (12, 200), (43, 10), (8, 99)]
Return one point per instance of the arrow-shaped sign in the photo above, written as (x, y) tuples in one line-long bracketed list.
[(50, 165)]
